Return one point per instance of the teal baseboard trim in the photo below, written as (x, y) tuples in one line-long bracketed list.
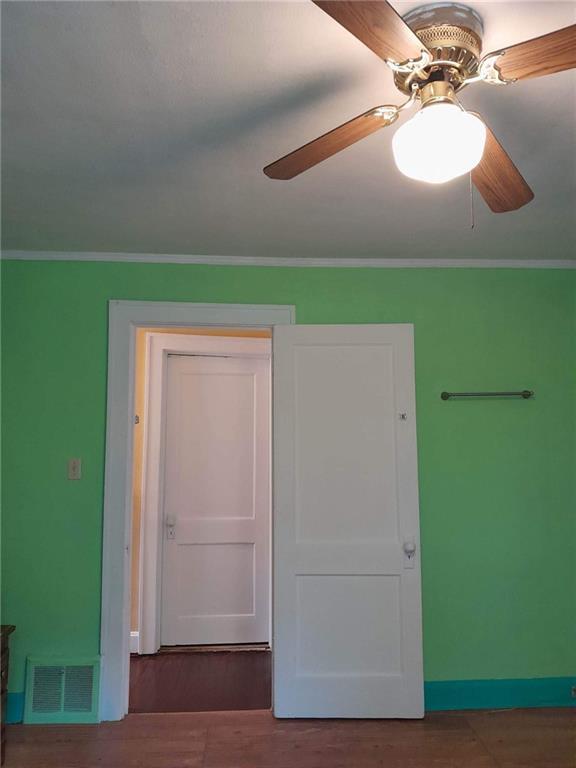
[(499, 694), (15, 707), (448, 694)]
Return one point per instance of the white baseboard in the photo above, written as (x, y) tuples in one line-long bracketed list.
[(134, 642)]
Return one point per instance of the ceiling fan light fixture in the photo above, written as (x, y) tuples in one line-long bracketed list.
[(440, 143)]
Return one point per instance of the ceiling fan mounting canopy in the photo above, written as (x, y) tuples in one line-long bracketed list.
[(452, 34), (454, 14)]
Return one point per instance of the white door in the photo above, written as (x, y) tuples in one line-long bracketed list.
[(347, 613), (216, 552)]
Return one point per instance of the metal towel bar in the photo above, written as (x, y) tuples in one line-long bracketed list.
[(525, 394)]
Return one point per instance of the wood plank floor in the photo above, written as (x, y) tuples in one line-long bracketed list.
[(197, 680), (531, 738)]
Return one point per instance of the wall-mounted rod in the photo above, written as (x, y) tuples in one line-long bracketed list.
[(525, 394)]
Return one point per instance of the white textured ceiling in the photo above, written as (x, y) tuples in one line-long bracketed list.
[(143, 127)]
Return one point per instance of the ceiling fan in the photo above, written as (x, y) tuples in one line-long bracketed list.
[(435, 51)]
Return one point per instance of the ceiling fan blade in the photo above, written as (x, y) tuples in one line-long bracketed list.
[(330, 143), (543, 55), (498, 180), (376, 24)]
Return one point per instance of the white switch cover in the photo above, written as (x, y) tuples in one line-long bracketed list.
[(74, 469)]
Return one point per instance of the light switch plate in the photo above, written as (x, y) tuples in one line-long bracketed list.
[(74, 469)]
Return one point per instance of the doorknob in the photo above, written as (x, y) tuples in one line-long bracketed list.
[(409, 547), (170, 523)]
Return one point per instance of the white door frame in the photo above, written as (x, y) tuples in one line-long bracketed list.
[(124, 318), (159, 346)]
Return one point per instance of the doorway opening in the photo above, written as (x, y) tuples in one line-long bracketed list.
[(200, 608)]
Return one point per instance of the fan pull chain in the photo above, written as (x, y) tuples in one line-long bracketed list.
[(472, 220)]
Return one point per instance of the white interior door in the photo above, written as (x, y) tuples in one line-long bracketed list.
[(216, 551), (347, 612)]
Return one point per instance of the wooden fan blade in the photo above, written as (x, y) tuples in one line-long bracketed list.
[(376, 24), (329, 144), (498, 180), (543, 55)]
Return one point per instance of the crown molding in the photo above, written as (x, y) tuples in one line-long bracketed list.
[(288, 261)]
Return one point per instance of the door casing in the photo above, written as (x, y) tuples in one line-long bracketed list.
[(124, 318)]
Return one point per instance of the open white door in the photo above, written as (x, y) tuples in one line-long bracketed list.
[(347, 609)]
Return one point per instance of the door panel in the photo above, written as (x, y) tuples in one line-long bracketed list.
[(216, 572), (337, 417), (347, 614)]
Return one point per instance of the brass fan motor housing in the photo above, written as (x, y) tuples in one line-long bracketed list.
[(454, 39)]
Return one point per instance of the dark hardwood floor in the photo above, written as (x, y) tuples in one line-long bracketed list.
[(198, 679), (530, 738)]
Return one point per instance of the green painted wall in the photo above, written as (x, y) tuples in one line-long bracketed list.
[(496, 478)]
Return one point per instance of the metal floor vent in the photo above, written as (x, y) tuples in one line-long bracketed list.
[(61, 690)]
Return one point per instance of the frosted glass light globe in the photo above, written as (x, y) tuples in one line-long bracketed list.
[(440, 143)]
